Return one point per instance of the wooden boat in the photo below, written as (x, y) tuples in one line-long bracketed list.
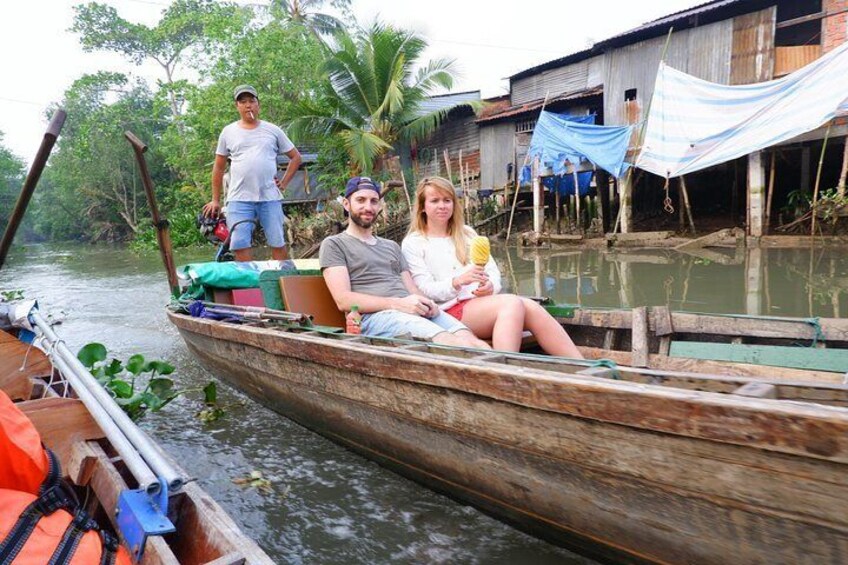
[(626, 464), (204, 532)]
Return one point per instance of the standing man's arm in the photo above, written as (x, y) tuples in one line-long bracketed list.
[(213, 208), (294, 164)]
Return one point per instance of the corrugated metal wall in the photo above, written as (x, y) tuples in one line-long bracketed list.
[(570, 78), (496, 146), (703, 52)]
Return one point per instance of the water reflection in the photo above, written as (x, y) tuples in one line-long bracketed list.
[(786, 282)]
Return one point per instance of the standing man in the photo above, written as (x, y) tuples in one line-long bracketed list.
[(252, 146), (370, 272)]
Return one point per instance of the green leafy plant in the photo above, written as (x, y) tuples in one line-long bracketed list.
[(120, 380), (11, 295)]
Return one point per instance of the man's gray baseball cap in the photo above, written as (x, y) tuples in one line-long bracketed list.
[(245, 89)]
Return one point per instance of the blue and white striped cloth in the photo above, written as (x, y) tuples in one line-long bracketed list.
[(695, 124)]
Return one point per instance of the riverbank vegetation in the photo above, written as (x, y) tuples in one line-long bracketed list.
[(351, 93)]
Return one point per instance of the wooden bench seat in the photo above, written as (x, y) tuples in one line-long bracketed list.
[(835, 360)]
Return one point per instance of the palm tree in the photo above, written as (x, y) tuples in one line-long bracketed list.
[(304, 13), (372, 97)]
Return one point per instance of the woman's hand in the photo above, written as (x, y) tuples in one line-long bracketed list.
[(485, 289), (475, 274)]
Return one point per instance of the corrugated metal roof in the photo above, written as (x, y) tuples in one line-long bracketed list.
[(650, 29), (537, 104), (442, 101)]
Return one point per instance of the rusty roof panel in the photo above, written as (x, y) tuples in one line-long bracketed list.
[(537, 104)]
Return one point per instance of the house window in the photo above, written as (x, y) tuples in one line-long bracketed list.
[(798, 35), (630, 95), (525, 126)]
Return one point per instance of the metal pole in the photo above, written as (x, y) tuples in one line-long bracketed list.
[(31, 181), (147, 481), (139, 440)]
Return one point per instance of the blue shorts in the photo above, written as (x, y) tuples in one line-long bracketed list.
[(391, 323), (270, 216)]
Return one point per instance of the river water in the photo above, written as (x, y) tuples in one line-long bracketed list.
[(326, 504)]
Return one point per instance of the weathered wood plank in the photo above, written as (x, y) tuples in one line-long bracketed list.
[(705, 241), (639, 337), (61, 422), (796, 428), (579, 477), (835, 360), (15, 373)]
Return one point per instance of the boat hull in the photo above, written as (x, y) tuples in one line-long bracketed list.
[(603, 485)]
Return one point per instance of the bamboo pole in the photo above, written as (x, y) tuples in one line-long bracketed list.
[(558, 204), (685, 192), (446, 155), (641, 137), (770, 192), (818, 181), (526, 157), (840, 187)]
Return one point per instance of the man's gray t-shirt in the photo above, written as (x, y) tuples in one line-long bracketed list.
[(373, 269), (253, 160)]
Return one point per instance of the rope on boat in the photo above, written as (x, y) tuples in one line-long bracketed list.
[(607, 364)]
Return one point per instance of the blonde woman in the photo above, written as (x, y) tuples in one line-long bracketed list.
[(437, 252)]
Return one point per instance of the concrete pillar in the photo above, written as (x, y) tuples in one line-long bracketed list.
[(626, 202), (756, 194), (754, 280)]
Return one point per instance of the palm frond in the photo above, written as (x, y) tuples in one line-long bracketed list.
[(364, 148)]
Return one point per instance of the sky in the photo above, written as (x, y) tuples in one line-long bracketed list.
[(41, 58)]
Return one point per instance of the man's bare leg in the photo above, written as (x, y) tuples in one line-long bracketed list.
[(280, 253), (462, 338), (245, 254)]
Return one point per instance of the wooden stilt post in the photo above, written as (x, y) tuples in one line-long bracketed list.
[(770, 193), (685, 192), (538, 200), (558, 204), (577, 198)]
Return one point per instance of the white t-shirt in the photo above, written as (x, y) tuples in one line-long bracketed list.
[(433, 264), (253, 160)]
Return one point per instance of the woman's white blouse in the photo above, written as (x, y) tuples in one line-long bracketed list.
[(433, 264)]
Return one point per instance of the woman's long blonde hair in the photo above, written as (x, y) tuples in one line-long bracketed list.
[(457, 229)]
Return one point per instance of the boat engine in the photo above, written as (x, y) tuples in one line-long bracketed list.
[(213, 229)]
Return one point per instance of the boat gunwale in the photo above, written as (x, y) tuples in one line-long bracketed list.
[(778, 425)]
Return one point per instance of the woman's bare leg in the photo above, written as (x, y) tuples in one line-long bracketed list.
[(549, 333), (499, 317)]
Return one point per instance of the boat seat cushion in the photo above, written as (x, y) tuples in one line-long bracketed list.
[(308, 294)]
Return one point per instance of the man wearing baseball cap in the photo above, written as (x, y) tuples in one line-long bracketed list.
[(370, 272), (252, 146)]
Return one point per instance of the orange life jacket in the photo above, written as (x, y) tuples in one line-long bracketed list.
[(41, 521)]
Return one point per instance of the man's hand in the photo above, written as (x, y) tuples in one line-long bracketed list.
[(485, 289), (280, 185), (212, 209), (417, 305)]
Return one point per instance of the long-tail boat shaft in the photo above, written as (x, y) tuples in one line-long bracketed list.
[(139, 440)]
